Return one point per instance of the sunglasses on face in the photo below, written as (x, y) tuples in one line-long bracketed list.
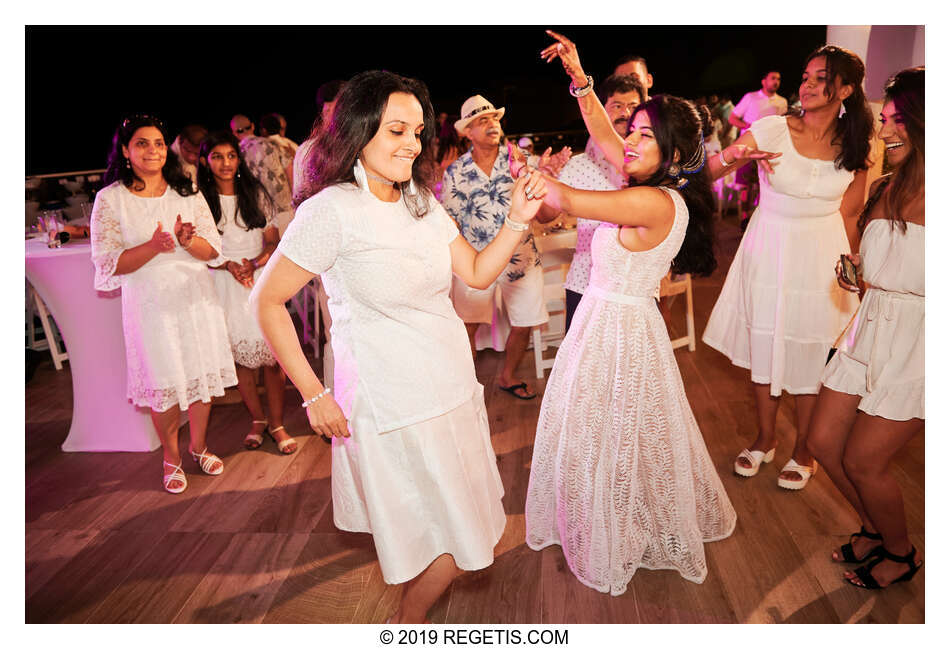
[(243, 129)]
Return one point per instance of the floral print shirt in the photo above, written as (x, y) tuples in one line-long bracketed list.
[(479, 205), (267, 161)]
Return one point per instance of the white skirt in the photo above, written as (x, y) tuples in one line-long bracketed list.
[(244, 335), (424, 490), (781, 309)]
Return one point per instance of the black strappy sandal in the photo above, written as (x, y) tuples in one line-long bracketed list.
[(868, 581), (847, 550)]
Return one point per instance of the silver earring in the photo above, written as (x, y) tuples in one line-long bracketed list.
[(841, 111)]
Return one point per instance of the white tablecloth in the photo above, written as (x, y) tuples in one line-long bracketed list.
[(91, 325)]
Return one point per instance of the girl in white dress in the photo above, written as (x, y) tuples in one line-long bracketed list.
[(412, 459), (871, 401), (152, 234), (780, 309), (246, 217), (620, 475)]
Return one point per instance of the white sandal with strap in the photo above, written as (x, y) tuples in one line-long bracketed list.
[(806, 472), (176, 475), (284, 444), (207, 461), (755, 458), (254, 440)]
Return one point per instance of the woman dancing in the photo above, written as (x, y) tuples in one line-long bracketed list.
[(780, 309), (620, 475), (151, 236), (412, 458), (871, 402), (246, 217)]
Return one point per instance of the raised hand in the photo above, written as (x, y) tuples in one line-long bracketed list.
[(565, 50), (184, 232), (162, 241), (552, 165), (526, 196)]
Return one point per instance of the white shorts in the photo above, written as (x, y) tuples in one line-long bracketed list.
[(523, 299)]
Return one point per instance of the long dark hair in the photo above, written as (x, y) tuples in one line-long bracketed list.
[(678, 126), (356, 118), (119, 168), (248, 189), (449, 140), (853, 129), (906, 90)]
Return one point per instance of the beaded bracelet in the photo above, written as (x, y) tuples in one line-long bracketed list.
[(309, 402), (583, 91), (514, 225)]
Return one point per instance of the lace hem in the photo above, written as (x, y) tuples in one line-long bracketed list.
[(202, 388), (252, 354)]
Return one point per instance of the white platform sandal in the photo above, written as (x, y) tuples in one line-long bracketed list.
[(206, 460), (177, 475), (254, 440), (284, 444), (806, 472), (755, 458)]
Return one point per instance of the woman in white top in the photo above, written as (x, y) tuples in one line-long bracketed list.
[(152, 234), (872, 399), (780, 309), (412, 459), (246, 218)]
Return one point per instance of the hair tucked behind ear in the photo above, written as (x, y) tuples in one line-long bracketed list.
[(678, 127)]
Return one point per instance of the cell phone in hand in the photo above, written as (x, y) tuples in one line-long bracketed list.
[(849, 273)]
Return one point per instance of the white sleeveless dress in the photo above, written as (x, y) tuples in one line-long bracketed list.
[(621, 477), (882, 355), (781, 309)]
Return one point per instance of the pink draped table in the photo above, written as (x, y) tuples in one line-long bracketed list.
[(91, 325)]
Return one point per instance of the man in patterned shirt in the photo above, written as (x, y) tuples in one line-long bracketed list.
[(269, 164), (476, 192), (620, 94)]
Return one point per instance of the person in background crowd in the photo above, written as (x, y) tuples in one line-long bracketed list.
[(871, 402), (620, 96), (637, 66), (245, 216), (780, 310), (526, 144), (269, 164), (620, 475), (724, 109), (412, 458), (476, 192), (186, 146), (752, 107), (326, 101), (152, 234), (274, 126), (449, 147)]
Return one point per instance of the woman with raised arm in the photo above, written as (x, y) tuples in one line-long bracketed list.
[(247, 220), (871, 402), (780, 309), (620, 475), (412, 458), (152, 234)]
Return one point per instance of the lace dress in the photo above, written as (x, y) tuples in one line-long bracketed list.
[(781, 309), (620, 476), (882, 356), (176, 340), (237, 242)]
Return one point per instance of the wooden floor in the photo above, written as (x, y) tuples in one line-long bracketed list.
[(104, 542)]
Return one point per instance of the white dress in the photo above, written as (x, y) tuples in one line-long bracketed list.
[(882, 356), (176, 340), (418, 471), (781, 309), (620, 475), (237, 242)]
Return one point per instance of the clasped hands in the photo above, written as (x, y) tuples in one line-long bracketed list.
[(163, 241)]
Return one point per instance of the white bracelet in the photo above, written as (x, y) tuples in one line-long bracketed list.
[(309, 402), (514, 225), (584, 90), (722, 159)]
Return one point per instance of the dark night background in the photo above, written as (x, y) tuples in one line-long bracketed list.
[(89, 77)]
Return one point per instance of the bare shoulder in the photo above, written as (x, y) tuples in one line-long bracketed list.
[(795, 124)]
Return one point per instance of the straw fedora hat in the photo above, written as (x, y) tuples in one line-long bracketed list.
[(472, 108)]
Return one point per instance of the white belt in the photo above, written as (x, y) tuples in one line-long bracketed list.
[(622, 298)]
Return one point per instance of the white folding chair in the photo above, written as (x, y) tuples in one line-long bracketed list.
[(669, 287), (556, 254), (36, 307)]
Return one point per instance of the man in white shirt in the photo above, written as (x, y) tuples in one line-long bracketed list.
[(620, 94), (752, 107)]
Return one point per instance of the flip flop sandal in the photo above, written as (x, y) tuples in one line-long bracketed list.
[(520, 386)]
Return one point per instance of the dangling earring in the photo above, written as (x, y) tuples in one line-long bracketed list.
[(841, 111), (412, 186), (674, 170), (238, 174), (360, 175), (128, 165)]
